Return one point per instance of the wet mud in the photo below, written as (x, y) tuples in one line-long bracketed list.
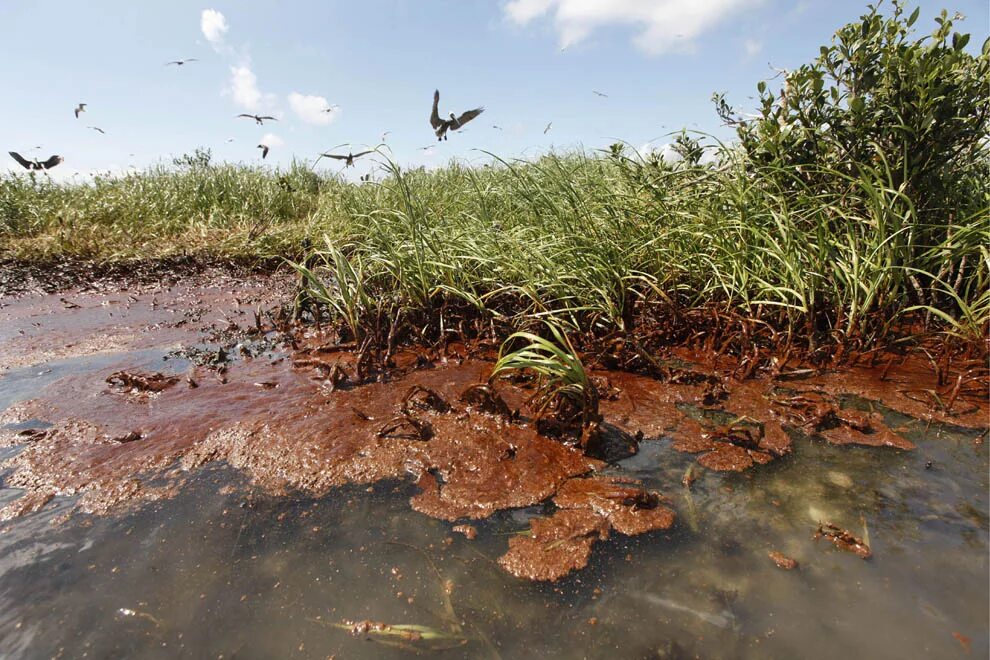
[(288, 409)]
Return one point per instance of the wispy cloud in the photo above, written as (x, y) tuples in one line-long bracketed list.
[(312, 109), (243, 84), (665, 25), (753, 47), (244, 89), (214, 27)]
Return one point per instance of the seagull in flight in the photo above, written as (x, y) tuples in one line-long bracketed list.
[(36, 164), (98, 129), (80, 108), (597, 93), (385, 135), (348, 159), (331, 107), (264, 150), (181, 62), (441, 126), (547, 129), (260, 119), (496, 127)]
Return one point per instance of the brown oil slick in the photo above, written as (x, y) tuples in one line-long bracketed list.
[(298, 418), (555, 546), (588, 508)]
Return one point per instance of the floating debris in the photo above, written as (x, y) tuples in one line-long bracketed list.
[(137, 614), (468, 531), (843, 540), (782, 560), (142, 383)]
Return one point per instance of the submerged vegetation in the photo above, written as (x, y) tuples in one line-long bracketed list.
[(852, 213)]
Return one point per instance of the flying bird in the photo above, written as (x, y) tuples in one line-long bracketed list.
[(36, 164), (264, 150), (496, 127), (441, 126), (97, 129), (80, 108), (348, 159), (547, 129), (229, 140), (597, 93), (260, 119), (331, 107), (181, 62), (385, 135)]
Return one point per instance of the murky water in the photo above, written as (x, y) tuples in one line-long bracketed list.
[(224, 570)]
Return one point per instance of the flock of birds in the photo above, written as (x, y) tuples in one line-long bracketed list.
[(441, 126)]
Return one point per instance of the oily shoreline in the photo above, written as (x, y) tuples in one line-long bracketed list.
[(288, 409)]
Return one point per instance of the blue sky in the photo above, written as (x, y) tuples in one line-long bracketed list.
[(529, 62)]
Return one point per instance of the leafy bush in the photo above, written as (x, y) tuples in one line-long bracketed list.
[(877, 98)]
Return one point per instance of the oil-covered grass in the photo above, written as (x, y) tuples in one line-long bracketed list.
[(595, 241), (826, 223), (586, 239)]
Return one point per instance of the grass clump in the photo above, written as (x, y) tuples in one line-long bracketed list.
[(565, 398)]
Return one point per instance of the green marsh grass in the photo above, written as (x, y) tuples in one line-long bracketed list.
[(565, 390), (587, 240)]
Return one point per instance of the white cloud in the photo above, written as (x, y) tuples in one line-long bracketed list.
[(312, 109), (244, 89), (272, 140), (753, 47), (665, 24), (665, 151), (710, 156), (214, 26)]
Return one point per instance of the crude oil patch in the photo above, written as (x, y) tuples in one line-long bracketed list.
[(293, 421)]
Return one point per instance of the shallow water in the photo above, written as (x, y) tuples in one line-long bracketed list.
[(225, 570)]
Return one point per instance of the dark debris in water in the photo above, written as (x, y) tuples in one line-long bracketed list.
[(843, 540), (782, 560), (137, 382)]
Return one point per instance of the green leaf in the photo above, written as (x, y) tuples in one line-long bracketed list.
[(959, 41), (913, 17)]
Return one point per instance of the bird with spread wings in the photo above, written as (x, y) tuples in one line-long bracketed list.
[(36, 164), (259, 119), (441, 126), (348, 159)]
